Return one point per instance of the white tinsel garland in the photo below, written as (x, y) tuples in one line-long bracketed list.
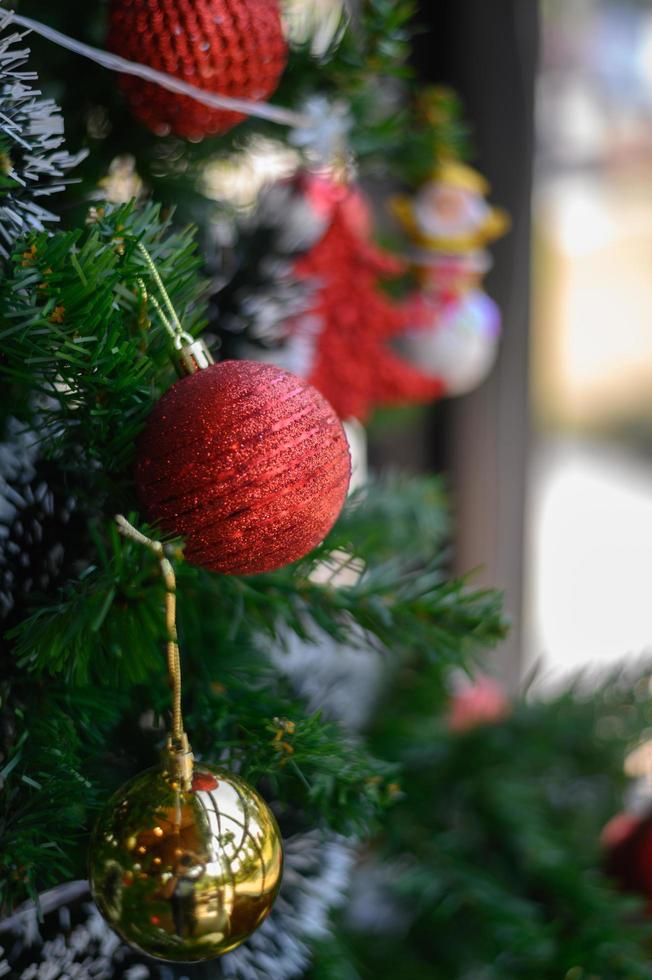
[(73, 941), (342, 680), (31, 134), (315, 881)]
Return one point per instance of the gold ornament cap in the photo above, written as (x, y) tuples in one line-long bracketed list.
[(178, 761), (192, 356)]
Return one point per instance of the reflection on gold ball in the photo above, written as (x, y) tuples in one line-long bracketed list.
[(186, 876)]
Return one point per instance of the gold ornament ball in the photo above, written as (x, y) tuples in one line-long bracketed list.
[(186, 874)]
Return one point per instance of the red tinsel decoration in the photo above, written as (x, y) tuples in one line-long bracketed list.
[(248, 462), (354, 366), (228, 47)]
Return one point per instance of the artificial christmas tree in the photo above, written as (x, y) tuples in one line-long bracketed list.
[(324, 685)]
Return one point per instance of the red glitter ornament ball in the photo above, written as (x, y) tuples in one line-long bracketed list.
[(228, 47), (248, 462)]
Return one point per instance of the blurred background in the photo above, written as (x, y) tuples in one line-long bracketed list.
[(550, 460), (589, 526)]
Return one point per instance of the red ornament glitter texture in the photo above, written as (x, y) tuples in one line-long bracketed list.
[(248, 462), (227, 47)]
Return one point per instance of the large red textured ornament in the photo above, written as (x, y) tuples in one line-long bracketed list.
[(354, 365), (248, 462), (227, 47)]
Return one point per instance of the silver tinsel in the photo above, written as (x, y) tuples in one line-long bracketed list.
[(256, 295), (341, 680), (31, 134), (315, 882), (17, 457), (42, 526), (324, 138), (72, 941)]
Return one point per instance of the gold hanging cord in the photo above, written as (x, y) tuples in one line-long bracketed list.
[(178, 745)]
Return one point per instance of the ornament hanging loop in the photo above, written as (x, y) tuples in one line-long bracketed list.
[(179, 758), (179, 761), (191, 354)]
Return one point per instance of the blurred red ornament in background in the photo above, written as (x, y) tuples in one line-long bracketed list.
[(227, 47), (628, 853), (248, 462), (619, 829), (482, 703)]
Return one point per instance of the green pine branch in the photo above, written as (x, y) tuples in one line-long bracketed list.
[(87, 632), (496, 842), (77, 335), (104, 633), (45, 789)]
